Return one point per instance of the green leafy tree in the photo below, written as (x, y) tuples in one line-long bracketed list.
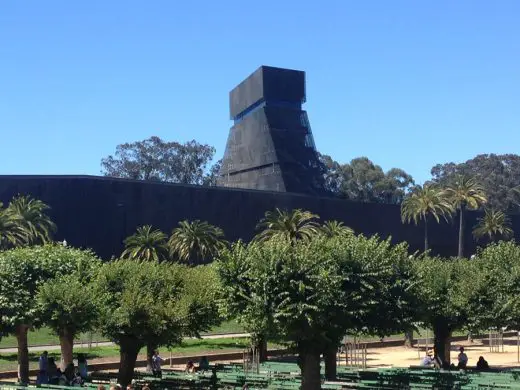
[(308, 294), (290, 225), (32, 216), (152, 303), (146, 244), (159, 160), (362, 180), (425, 203), (494, 224), (196, 242), (69, 305), (446, 287), (465, 193), (11, 230), (22, 272), (335, 228), (497, 306), (499, 175)]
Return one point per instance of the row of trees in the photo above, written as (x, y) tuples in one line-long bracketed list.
[(310, 293), (298, 282), (435, 202), (193, 242), (134, 304), (197, 242)]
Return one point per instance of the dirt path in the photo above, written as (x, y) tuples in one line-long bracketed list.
[(55, 347), (405, 357)]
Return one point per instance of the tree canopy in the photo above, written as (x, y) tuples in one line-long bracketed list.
[(22, 272), (152, 303), (362, 180), (68, 304), (498, 174), (159, 160), (310, 293)]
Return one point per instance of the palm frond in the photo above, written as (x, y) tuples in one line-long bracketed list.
[(426, 201), (335, 229), (146, 244), (465, 191), (196, 242), (33, 219), (494, 224), (11, 230), (294, 225)]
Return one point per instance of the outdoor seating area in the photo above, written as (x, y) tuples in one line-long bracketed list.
[(286, 376)]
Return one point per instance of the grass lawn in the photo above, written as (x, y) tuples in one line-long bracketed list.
[(8, 360), (44, 336)]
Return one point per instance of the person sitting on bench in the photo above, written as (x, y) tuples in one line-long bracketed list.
[(482, 364), (428, 360)]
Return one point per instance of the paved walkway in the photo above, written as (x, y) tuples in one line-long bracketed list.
[(55, 347)]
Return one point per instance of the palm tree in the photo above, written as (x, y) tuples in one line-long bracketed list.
[(196, 242), (294, 225), (465, 193), (424, 203), (146, 244), (335, 229), (11, 230), (494, 224), (33, 218)]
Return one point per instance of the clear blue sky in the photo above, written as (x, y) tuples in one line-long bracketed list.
[(406, 83)]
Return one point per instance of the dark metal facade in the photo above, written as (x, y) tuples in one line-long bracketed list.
[(270, 146), (99, 212)]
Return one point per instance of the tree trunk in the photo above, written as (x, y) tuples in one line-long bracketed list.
[(442, 344), (309, 360), (128, 351), (23, 353), (150, 349), (330, 358), (408, 338), (66, 346), (425, 234), (261, 348), (461, 231)]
